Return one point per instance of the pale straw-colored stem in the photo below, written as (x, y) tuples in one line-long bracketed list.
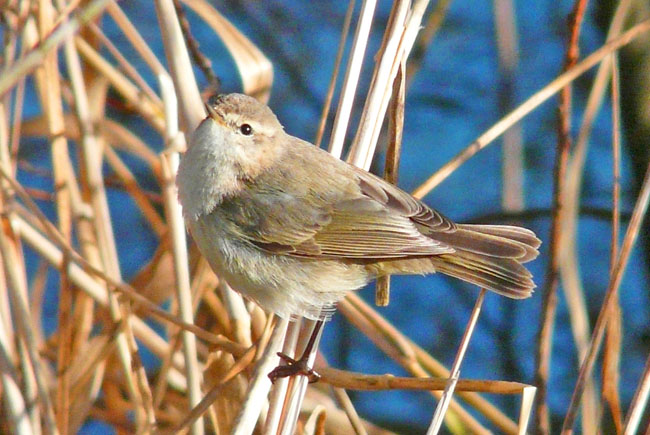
[(443, 404), (639, 402), (260, 384), (180, 66), (381, 86), (34, 58), (279, 390), (351, 80), (17, 416), (299, 386), (169, 163)]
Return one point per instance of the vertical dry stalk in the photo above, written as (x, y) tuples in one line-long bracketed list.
[(551, 279)]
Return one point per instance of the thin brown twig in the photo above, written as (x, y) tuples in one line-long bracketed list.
[(345, 31), (549, 301), (200, 59)]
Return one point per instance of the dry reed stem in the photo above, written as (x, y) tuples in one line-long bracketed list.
[(614, 333), (187, 91), (151, 111), (169, 163), (393, 154), (130, 184), (552, 275), (445, 399), (260, 384), (343, 400), (416, 361), (381, 86), (31, 363), (351, 80), (569, 265), (639, 402), (410, 356), (425, 38), (365, 142), (363, 382), (19, 70), (297, 389), (134, 37), (276, 414), (629, 240), (124, 64), (195, 414), (52, 251), (47, 78)]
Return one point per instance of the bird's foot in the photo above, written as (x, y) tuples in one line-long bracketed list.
[(292, 367)]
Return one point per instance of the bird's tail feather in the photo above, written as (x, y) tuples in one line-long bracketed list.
[(500, 241), (489, 256), (501, 275)]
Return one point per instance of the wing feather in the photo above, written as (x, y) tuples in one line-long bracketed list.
[(361, 217)]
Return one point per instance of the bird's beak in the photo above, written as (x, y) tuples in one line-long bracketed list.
[(215, 114)]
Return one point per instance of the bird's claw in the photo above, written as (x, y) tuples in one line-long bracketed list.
[(293, 367)]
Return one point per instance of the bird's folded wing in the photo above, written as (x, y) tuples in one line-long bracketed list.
[(378, 221)]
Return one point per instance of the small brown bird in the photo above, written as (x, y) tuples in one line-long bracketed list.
[(294, 228)]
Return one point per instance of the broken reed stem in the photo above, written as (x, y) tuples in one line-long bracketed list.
[(363, 382)]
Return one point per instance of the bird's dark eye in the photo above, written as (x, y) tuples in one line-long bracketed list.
[(246, 129)]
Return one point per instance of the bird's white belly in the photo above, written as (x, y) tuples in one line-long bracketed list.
[(285, 285)]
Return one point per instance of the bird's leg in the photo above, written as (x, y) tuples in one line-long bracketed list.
[(292, 367)]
